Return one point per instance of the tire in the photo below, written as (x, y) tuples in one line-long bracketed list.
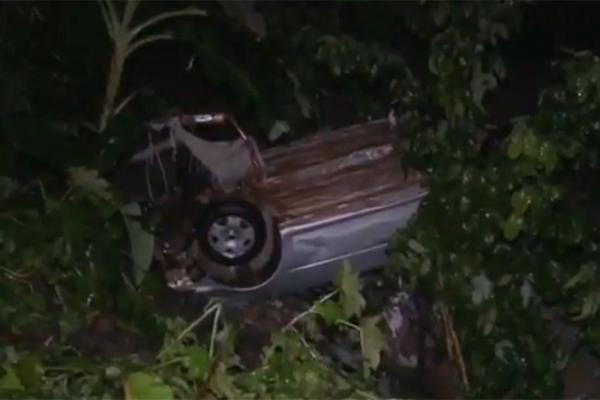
[(231, 232)]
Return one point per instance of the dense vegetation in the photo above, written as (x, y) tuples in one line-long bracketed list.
[(507, 233)]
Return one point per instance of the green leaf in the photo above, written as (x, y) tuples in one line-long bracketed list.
[(482, 289), (142, 242), (499, 68), (330, 311), (488, 321), (30, 371), (373, 342), (112, 372), (197, 362), (520, 201), (10, 380), (515, 147), (531, 145), (585, 274), (513, 226), (591, 304), (349, 285), (142, 386), (221, 383), (89, 181), (416, 246), (526, 292), (501, 348), (548, 156), (481, 83)]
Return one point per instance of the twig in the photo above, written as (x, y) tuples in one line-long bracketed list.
[(213, 334), (311, 310), (124, 103), (147, 170), (356, 327), (305, 343), (42, 190), (66, 195), (169, 362), (198, 321)]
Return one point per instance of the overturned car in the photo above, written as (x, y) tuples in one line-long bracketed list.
[(235, 219)]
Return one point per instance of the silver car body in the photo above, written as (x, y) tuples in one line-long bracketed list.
[(337, 197)]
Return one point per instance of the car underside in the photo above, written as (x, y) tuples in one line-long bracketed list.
[(330, 198)]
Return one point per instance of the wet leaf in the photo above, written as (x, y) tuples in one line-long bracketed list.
[(145, 386), (373, 342), (351, 299)]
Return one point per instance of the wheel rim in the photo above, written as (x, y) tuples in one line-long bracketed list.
[(231, 236)]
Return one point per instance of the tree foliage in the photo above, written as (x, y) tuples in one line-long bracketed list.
[(505, 237)]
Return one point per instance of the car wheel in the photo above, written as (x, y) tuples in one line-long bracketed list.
[(232, 232)]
